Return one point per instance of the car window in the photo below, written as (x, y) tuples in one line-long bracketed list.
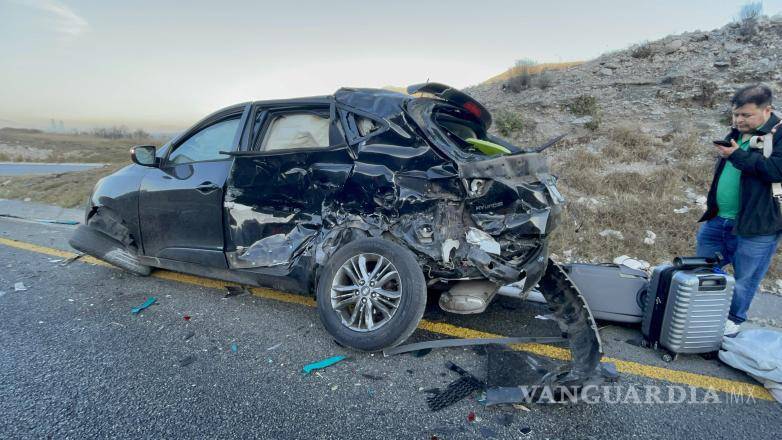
[(207, 143), (296, 130)]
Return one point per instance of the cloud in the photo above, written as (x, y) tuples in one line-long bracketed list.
[(61, 18)]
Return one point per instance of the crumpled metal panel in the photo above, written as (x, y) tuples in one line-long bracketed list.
[(413, 189)]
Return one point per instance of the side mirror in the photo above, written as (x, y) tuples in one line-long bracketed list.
[(144, 155)]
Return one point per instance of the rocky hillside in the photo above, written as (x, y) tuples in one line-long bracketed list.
[(637, 162)]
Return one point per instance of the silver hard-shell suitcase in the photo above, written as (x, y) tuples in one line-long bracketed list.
[(686, 308)]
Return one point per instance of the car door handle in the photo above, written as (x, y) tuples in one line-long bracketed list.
[(207, 187)]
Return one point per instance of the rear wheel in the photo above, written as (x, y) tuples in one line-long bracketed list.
[(371, 294)]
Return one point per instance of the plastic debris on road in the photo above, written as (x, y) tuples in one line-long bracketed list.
[(322, 364), (19, 287), (235, 291), (187, 361), (151, 300), (234, 347), (274, 346)]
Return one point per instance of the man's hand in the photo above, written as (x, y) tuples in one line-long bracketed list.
[(725, 152)]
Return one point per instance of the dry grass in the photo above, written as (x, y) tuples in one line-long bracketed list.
[(68, 190), (59, 147), (628, 144), (532, 70)]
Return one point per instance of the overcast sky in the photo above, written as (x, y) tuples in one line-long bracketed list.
[(161, 66)]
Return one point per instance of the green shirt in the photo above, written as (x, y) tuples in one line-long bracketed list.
[(728, 187)]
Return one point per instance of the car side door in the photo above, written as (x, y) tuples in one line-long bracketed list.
[(277, 191), (181, 201)]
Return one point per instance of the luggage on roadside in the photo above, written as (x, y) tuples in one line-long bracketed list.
[(687, 306), (612, 292)]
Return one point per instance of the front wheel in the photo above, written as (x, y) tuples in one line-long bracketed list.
[(371, 294)]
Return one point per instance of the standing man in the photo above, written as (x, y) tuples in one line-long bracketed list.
[(743, 220)]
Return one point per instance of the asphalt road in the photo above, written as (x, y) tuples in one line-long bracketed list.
[(24, 168), (75, 363)]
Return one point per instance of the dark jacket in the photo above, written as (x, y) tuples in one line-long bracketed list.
[(758, 211)]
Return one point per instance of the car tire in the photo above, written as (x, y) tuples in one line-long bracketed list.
[(99, 245), (410, 285)]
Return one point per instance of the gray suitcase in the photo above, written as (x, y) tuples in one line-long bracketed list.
[(612, 292), (686, 307)]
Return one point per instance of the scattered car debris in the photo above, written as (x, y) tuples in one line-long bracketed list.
[(70, 260), (236, 291), (526, 430), (187, 360), (322, 364), (372, 376), (471, 416), (456, 390), (612, 233), (514, 376), (274, 346), (186, 317), (521, 407), (189, 335), (234, 347), (650, 238), (151, 300), (447, 343), (19, 287)]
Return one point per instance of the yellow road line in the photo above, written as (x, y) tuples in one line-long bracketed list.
[(736, 388)]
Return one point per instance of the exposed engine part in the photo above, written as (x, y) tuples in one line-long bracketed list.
[(467, 297)]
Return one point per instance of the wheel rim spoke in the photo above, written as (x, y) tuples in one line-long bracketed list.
[(362, 266), (387, 277), (368, 319), (383, 310), (388, 293), (345, 302)]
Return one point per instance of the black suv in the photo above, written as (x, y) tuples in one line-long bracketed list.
[(366, 198)]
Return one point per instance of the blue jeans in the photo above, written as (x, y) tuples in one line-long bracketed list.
[(750, 257)]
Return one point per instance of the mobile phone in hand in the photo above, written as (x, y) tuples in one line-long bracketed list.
[(722, 143)]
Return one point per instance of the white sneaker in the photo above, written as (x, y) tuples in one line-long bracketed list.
[(731, 328)]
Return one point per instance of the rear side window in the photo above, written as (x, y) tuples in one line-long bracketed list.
[(290, 131)]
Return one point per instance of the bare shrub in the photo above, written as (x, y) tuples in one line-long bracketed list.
[(519, 83), (544, 79), (748, 18), (584, 105), (643, 50), (508, 122), (707, 95)]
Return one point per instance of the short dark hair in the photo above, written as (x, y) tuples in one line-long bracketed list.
[(758, 94)]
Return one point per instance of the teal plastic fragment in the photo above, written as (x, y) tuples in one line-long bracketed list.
[(322, 364), (151, 300), (234, 347)]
